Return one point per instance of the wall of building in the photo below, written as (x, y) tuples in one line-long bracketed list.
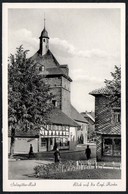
[(91, 130), (45, 45), (22, 145), (102, 112), (65, 96), (98, 147), (53, 81), (65, 69), (73, 138), (56, 91), (60, 87), (103, 116), (65, 83), (82, 133), (65, 101)]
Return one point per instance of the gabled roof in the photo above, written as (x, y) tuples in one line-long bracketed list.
[(52, 66), (48, 60), (77, 116), (90, 115), (101, 91), (60, 118)]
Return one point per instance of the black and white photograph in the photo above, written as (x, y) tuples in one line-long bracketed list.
[(64, 97)]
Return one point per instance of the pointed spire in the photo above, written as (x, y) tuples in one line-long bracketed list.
[(44, 33), (44, 20)]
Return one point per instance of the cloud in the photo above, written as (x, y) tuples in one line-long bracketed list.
[(63, 47), (23, 37), (80, 75), (71, 50), (26, 36)]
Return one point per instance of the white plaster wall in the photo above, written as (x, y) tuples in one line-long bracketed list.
[(45, 46), (22, 145)]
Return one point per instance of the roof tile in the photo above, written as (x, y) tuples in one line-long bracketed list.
[(58, 117), (100, 91), (77, 116), (110, 129)]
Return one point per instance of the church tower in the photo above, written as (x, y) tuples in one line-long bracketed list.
[(44, 41)]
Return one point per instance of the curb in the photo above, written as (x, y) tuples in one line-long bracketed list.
[(13, 159)]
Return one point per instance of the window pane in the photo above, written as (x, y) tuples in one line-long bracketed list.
[(117, 147), (43, 142), (107, 146)]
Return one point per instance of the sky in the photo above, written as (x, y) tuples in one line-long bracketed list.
[(88, 40)]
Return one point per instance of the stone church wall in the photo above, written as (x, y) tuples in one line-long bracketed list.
[(66, 102), (53, 81), (66, 96)]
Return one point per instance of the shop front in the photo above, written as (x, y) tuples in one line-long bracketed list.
[(54, 135)]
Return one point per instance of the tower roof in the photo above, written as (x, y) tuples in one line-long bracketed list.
[(52, 66), (44, 33)]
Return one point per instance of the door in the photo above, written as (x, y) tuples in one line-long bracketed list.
[(44, 144)]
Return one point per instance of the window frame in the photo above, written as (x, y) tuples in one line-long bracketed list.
[(112, 145), (116, 115)]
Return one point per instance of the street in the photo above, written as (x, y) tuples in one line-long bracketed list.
[(23, 169)]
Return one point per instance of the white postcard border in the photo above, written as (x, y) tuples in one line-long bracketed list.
[(61, 185)]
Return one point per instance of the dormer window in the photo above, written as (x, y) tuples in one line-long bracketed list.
[(41, 68)]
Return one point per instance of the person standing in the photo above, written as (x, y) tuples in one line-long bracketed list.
[(57, 155), (88, 152), (30, 151)]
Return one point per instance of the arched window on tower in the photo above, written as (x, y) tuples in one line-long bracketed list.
[(54, 102), (43, 40), (41, 68)]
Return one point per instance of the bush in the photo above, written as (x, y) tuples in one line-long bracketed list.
[(53, 168)]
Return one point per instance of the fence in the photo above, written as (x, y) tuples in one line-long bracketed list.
[(53, 168)]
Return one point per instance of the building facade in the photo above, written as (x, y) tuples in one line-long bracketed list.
[(107, 127), (90, 117), (66, 123)]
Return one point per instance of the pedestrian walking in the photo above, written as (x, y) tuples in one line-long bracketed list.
[(88, 152), (57, 155), (30, 151), (55, 146)]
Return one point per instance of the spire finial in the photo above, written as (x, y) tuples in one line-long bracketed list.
[(44, 20)]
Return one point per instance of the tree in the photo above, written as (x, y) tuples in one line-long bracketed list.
[(29, 98), (114, 88)]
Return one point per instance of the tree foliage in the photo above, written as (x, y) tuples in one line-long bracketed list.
[(114, 88), (29, 98)]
